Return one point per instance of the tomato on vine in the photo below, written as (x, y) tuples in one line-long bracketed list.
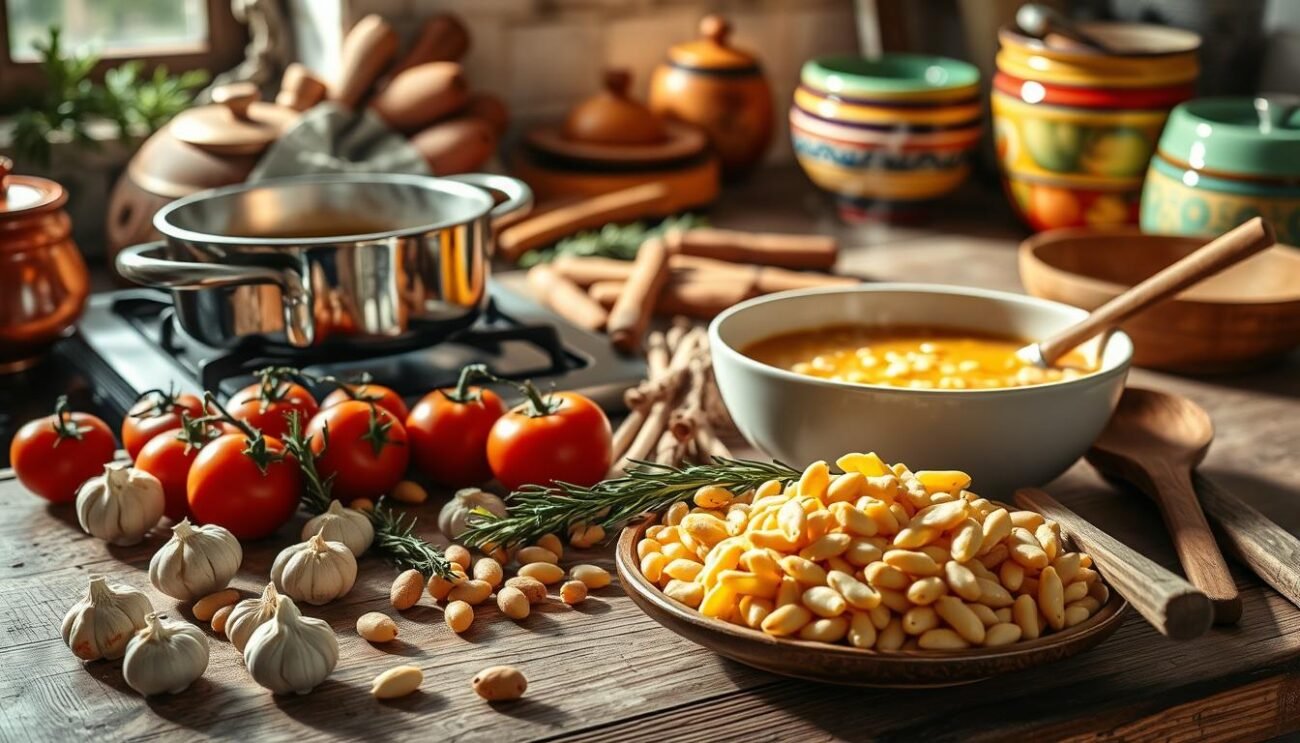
[(361, 447), (54, 455), (265, 403), (154, 412), (368, 391), (559, 437), (170, 455), (448, 430), (246, 481)]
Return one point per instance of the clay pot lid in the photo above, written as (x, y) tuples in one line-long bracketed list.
[(27, 194), (712, 51), (169, 167), (236, 122), (612, 127)]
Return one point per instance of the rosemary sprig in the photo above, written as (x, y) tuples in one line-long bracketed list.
[(395, 536), (619, 241), (535, 510)]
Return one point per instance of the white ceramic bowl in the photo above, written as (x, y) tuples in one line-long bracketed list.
[(1004, 438)]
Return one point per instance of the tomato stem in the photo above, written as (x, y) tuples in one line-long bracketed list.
[(272, 387), (470, 374), (377, 432), (64, 426), (255, 447), (164, 403), (538, 405)]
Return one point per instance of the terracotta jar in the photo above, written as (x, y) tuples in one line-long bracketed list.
[(43, 279), (722, 90)]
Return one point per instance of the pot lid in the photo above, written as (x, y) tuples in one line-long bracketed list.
[(613, 117), (26, 194), (168, 167), (235, 123), (1240, 137), (712, 51)]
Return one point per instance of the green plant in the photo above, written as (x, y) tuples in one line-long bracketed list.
[(71, 101), (619, 241)]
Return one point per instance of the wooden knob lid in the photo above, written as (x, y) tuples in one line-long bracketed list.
[(713, 49), (237, 122), (613, 117)]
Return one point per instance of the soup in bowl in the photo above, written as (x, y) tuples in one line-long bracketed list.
[(782, 366)]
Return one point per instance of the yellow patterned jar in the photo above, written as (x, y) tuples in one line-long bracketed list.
[(1075, 127)]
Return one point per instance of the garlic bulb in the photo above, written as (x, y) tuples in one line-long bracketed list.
[(121, 505), (165, 657), (99, 625), (316, 571), (340, 524), (196, 561), (250, 614), (291, 652), (453, 519)]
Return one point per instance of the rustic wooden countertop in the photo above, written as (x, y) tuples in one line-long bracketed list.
[(603, 671)]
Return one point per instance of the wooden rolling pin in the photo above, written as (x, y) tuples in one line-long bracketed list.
[(762, 248), (1273, 553), (625, 205), (1172, 605), (630, 315)]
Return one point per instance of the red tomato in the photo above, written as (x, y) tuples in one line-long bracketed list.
[(365, 450), (250, 486), (156, 411), (565, 438), (449, 435), (53, 455), (264, 405), (169, 457), (380, 395)]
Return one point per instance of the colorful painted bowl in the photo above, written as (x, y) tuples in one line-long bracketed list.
[(1222, 161), (885, 136), (1075, 128)]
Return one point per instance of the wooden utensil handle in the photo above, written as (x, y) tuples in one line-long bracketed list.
[(616, 206), (1199, 553), (1272, 552), (1235, 245), (1172, 605)]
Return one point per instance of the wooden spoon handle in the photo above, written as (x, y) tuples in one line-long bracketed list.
[(1172, 605), (1199, 553), (1272, 552), (1235, 245)]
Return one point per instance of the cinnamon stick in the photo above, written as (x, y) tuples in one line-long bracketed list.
[(616, 206), (657, 349), (566, 298), (693, 294), (646, 441), (761, 248), (686, 419), (631, 314), (586, 271)]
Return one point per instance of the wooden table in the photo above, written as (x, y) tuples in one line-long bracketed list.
[(603, 671)]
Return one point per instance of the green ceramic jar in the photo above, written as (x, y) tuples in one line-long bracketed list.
[(1221, 161)]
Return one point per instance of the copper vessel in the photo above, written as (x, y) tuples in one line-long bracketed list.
[(43, 279)]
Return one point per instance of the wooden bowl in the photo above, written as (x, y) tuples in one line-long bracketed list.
[(841, 664), (1239, 319)]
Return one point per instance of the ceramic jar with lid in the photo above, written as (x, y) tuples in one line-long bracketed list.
[(1074, 126), (203, 147), (43, 282), (721, 89), (1222, 161), (610, 142)]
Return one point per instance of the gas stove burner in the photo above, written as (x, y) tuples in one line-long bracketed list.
[(130, 342)]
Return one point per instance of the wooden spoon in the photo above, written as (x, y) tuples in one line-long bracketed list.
[(1228, 249), (1154, 441), (1273, 553), (1172, 605)]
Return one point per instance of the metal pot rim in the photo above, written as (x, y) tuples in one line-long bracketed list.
[(164, 225)]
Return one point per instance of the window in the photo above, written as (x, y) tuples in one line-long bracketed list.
[(109, 27), (181, 34)]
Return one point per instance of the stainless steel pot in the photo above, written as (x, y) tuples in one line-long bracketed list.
[(348, 259)]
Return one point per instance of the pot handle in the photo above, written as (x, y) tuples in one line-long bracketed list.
[(136, 264), (519, 197)]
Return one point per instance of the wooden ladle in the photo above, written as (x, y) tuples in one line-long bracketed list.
[(1228, 249), (1271, 552), (1154, 441)]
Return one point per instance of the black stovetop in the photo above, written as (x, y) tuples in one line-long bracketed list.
[(126, 342)]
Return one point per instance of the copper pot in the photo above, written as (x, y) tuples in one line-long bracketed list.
[(43, 279)]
